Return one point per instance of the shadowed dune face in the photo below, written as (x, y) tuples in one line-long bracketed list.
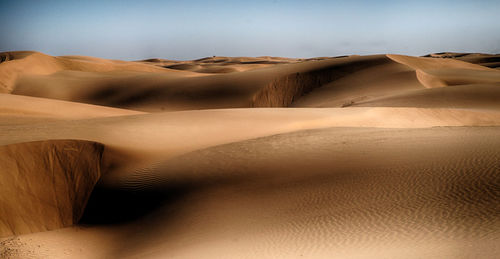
[(382, 78), (282, 92), (382, 156), (45, 185)]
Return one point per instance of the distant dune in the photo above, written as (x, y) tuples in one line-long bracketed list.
[(381, 156)]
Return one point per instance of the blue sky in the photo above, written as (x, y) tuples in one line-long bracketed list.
[(192, 29)]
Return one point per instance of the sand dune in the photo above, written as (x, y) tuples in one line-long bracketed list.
[(303, 193), (292, 195), (487, 60), (423, 63), (279, 85), (382, 156), (17, 64), (384, 77), (222, 64), (443, 72), (183, 90)]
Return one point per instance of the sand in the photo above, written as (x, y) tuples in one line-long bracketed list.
[(382, 156)]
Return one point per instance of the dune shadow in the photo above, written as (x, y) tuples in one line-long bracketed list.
[(109, 206)]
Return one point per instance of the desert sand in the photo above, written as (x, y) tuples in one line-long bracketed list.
[(381, 156)]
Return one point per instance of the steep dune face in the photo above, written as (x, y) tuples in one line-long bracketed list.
[(283, 91), (45, 185), (382, 78)]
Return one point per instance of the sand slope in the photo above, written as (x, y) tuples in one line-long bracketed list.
[(167, 90), (474, 96), (17, 64), (45, 185), (14, 107), (292, 195), (174, 133), (301, 194), (382, 156)]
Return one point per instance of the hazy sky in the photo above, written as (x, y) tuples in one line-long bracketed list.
[(186, 29)]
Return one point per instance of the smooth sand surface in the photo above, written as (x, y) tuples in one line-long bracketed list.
[(18, 107), (382, 156)]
